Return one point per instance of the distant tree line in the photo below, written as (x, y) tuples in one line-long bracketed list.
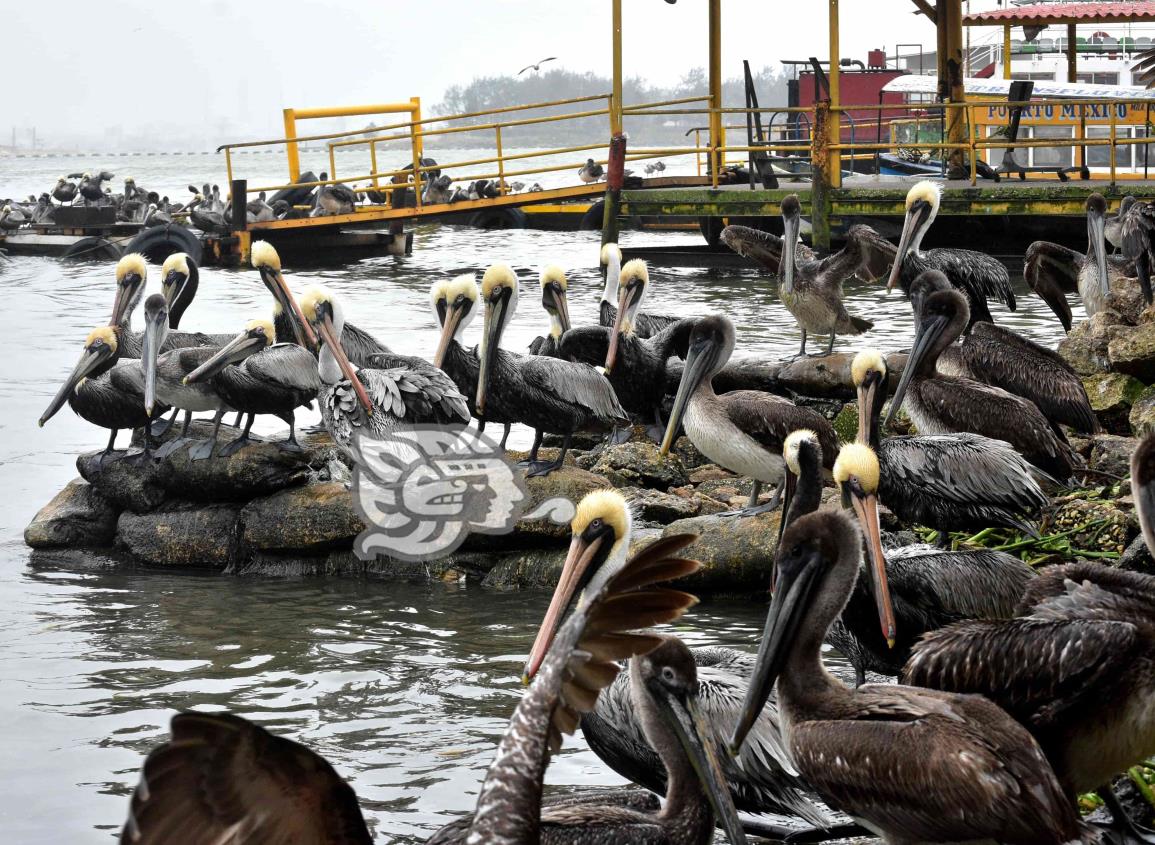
[(490, 92)]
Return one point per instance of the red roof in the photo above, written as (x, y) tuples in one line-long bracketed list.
[(1058, 13)]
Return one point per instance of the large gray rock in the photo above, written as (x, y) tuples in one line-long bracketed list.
[(736, 552), (656, 506), (1141, 419), (201, 536), (1137, 557), (1131, 350), (1112, 454), (309, 518), (76, 516), (637, 464), (128, 482), (1098, 526), (1085, 347), (1111, 396), (526, 568)]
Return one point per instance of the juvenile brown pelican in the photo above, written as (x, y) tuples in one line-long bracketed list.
[(205, 218), (645, 323), (102, 391), (400, 390), (65, 191), (259, 210), (267, 377), (1074, 665), (1137, 233), (11, 219), (547, 394), (744, 430), (921, 588), (977, 275), (556, 305), (333, 199), (1053, 271), (360, 347), (591, 171), (949, 482), (942, 404), (913, 765), (1000, 357), (636, 367)]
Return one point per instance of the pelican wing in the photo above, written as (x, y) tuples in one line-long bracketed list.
[(977, 273), (770, 419), (588, 344), (361, 347), (288, 365), (1052, 271), (575, 384), (1113, 586), (1035, 669), (973, 584), (928, 767), (414, 390), (1137, 230), (673, 338), (222, 778), (867, 254)]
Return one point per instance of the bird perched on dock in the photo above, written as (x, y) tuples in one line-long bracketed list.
[(977, 275), (258, 210), (398, 390), (91, 187), (333, 199), (547, 394), (437, 190), (911, 764), (1075, 665), (744, 430), (949, 482), (645, 324), (1002, 358), (636, 367), (941, 404), (105, 391), (553, 299), (203, 217), (44, 211), (591, 171), (11, 219), (256, 374), (154, 217), (65, 191)]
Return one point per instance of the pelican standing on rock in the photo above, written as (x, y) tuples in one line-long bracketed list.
[(547, 394), (744, 430), (556, 305), (400, 391), (910, 764), (942, 404), (1076, 665), (949, 482), (976, 274), (645, 323)]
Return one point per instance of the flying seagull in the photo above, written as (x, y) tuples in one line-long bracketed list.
[(536, 66)]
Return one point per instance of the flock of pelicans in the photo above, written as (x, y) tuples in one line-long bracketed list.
[(1022, 689)]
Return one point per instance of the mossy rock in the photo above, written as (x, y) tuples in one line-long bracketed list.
[(846, 423), (77, 516), (1085, 347), (200, 536), (309, 518), (736, 552), (1111, 453), (1111, 396), (1132, 351), (637, 464), (1142, 415)]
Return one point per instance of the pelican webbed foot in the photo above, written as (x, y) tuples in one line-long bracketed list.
[(752, 508), (172, 446), (620, 435), (1127, 829), (202, 449), (813, 835), (161, 427), (241, 442), (535, 469)]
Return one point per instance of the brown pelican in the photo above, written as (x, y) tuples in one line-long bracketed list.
[(399, 391), (591, 171), (1053, 271), (949, 482), (547, 394), (942, 404), (1136, 227), (65, 191), (912, 765), (1074, 665), (360, 347), (259, 210), (636, 367), (11, 219), (334, 199), (553, 300), (978, 275), (743, 430), (90, 186), (645, 324), (920, 587), (103, 391), (205, 218), (268, 378), (998, 356)]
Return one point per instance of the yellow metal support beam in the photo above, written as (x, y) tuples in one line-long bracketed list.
[(616, 95), (1007, 52), (835, 130), (717, 131), (291, 116), (291, 152)]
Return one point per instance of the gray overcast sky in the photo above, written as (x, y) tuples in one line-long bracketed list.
[(214, 69)]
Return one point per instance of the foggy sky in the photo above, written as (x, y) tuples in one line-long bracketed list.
[(201, 73)]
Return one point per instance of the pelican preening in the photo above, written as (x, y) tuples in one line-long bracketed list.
[(547, 394), (744, 430), (976, 274), (911, 764), (645, 324)]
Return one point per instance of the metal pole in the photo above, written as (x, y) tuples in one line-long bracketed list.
[(956, 125), (1007, 51), (1072, 54), (615, 174), (717, 130), (834, 130), (291, 153), (616, 96)]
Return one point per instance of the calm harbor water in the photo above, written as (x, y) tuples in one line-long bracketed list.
[(404, 687)]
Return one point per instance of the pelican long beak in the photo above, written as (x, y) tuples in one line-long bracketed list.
[(625, 296), (126, 292), (329, 338), (496, 314), (575, 574), (684, 717), (699, 361), (89, 360), (453, 317), (929, 331), (916, 217), (791, 602), (789, 485), (866, 509), (154, 331), (1096, 228), (233, 352), (275, 281), (867, 394), (555, 294), (790, 226)]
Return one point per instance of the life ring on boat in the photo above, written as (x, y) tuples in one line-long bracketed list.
[(498, 218), (158, 243), (92, 249)]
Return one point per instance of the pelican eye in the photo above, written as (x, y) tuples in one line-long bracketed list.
[(668, 675), (596, 525), (460, 299)]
